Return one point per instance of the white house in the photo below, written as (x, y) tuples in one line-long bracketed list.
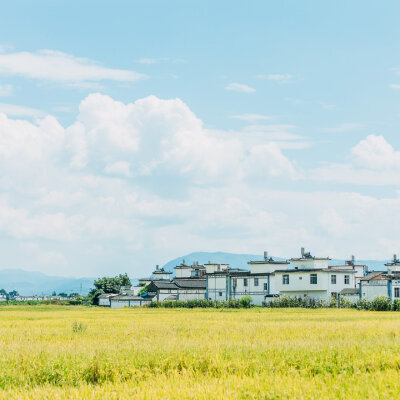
[(382, 283), (224, 283), (160, 290), (352, 295), (360, 269), (161, 274), (190, 289), (104, 299), (189, 271), (178, 289), (120, 301), (311, 277)]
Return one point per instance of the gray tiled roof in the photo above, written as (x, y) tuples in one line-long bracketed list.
[(190, 283), (371, 275), (165, 285)]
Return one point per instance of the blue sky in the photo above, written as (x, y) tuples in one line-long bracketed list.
[(134, 132)]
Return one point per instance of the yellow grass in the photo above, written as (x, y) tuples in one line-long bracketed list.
[(53, 352)]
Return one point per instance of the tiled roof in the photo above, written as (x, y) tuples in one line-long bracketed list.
[(190, 283), (372, 275)]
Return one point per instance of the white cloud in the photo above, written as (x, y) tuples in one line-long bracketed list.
[(160, 60), (240, 87), (56, 66), (267, 159), (128, 185), (373, 161), (345, 127), (14, 110), (22, 142), (395, 86), (147, 61), (281, 78), (252, 117), (119, 168), (374, 152), (6, 90)]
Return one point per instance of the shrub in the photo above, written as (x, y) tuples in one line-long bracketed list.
[(245, 302)]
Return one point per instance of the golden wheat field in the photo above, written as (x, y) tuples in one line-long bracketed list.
[(59, 352)]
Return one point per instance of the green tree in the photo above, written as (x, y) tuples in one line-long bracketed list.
[(108, 285), (13, 293)]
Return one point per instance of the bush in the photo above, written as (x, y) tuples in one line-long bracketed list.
[(202, 304), (245, 302)]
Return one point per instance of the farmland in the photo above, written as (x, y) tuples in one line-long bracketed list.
[(59, 352)]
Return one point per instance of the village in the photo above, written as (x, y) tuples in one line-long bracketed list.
[(306, 276)]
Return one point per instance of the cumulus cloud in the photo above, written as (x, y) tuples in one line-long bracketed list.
[(372, 161), (240, 87), (49, 65), (128, 185), (374, 152)]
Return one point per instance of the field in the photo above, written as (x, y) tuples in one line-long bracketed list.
[(56, 352)]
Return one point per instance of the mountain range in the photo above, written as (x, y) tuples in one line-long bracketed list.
[(32, 282), (29, 283)]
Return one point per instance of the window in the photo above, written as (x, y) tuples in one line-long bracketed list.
[(333, 279), (265, 286), (334, 295), (313, 279), (255, 281), (346, 279), (220, 294), (245, 282), (285, 279), (396, 292)]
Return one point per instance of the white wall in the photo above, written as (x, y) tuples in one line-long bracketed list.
[(104, 302), (218, 288), (211, 268), (306, 263), (192, 294), (183, 272), (268, 267), (300, 284), (371, 289)]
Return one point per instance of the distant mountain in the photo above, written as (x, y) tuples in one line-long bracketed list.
[(241, 260), (32, 282), (28, 283)]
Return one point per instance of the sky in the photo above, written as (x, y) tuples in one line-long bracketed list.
[(134, 132)]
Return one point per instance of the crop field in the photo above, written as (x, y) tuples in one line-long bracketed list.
[(59, 352)]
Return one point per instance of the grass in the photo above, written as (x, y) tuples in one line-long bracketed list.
[(60, 352)]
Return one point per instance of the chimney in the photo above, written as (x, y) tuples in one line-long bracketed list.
[(266, 255), (157, 267), (302, 252), (394, 258), (353, 260)]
